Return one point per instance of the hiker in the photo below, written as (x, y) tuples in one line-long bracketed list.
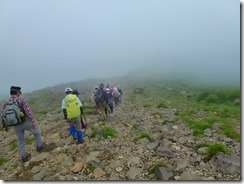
[(72, 107), (93, 97), (100, 99), (108, 99), (121, 93), (26, 122), (76, 92), (116, 96), (108, 85)]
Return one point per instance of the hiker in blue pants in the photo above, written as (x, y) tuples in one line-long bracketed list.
[(72, 106)]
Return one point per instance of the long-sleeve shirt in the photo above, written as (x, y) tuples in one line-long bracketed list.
[(24, 107)]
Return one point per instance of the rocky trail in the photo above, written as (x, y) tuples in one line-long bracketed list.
[(169, 153)]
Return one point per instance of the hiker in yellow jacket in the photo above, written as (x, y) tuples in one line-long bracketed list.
[(72, 107)]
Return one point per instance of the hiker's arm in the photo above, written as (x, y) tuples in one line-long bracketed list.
[(81, 110), (27, 110), (2, 112), (65, 114), (63, 106), (80, 104)]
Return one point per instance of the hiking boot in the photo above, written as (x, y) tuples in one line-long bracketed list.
[(45, 147), (26, 158), (80, 142)]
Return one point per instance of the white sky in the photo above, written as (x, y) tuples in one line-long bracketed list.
[(47, 42)]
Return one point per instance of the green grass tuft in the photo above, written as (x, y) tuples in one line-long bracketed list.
[(213, 149), (141, 136), (2, 160)]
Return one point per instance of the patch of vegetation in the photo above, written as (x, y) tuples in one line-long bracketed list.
[(218, 96), (147, 105), (212, 98), (13, 146), (161, 105), (15, 165), (90, 167), (29, 140), (94, 131), (2, 160), (91, 111), (135, 126), (230, 132), (168, 121), (138, 91), (108, 131), (213, 149), (155, 114), (141, 136), (198, 127), (161, 136), (105, 131), (200, 145), (152, 167)]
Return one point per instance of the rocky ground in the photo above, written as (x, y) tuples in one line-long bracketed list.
[(121, 158)]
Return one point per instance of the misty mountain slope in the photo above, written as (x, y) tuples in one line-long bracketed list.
[(162, 131)]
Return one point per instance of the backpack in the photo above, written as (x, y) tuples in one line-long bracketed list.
[(116, 93), (99, 96), (12, 113), (72, 106)]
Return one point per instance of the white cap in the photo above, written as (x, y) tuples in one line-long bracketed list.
[(68, 90)]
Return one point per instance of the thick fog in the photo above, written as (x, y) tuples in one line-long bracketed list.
[(47, 42)]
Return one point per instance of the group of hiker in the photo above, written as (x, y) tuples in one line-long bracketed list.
[(106, 96), (17, 113)]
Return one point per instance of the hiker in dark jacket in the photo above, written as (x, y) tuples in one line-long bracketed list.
[(109, 100), (27, 124), (121, 93)]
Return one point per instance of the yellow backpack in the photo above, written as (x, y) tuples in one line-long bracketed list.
[(72, 106)]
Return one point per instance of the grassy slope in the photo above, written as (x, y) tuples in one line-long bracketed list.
[(218, 103)]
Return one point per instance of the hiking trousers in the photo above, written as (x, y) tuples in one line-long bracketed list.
[(20, 134), (75, 128)]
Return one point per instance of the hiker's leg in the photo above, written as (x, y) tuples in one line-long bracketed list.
[(105, 104), (78, 127), (79, 134), (111, 108), (72, 127), (116, 101), (36, 131), (20, 134)]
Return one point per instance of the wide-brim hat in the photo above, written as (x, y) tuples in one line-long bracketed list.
[(15, 88)]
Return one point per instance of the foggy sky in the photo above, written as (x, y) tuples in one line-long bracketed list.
[(47, 42)]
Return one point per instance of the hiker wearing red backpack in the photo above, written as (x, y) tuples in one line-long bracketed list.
[(16, 113), (72, 108)]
